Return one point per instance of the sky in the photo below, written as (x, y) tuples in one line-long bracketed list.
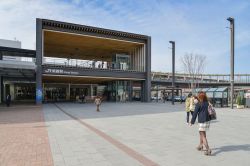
[(197, 26)]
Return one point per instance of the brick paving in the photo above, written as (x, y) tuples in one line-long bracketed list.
[(23, 137)]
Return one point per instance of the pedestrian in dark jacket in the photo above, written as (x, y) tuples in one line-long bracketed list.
[(8, 100), (201, 110)]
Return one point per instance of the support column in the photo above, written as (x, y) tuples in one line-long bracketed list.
[(68, 93), (143, 90), (173, 69), (91, 90), (140, 60), (1, 82), (147, 89), (1, 89), (144, 57), (231, 20), (39, 54), (130, 91)]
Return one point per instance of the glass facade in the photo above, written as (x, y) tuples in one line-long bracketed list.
[(115, 91), (55, 93), (118, 91), (24, 91)]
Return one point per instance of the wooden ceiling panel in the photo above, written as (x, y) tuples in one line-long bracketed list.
[(66, 45), (78, 79), (74, 80)]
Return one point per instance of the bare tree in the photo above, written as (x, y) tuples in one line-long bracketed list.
[(194, 65)]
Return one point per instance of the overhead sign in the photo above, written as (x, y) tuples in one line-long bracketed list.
[(60, 71)]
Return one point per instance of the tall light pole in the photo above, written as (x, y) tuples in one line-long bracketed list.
[(231, 20), (173, 69)]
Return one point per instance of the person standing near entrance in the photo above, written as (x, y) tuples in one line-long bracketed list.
[(83, 98), (8, 100), (98, 102), (164, 96), (201, 110)]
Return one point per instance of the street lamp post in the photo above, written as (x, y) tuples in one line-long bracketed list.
[(173, 69), (231, 20)]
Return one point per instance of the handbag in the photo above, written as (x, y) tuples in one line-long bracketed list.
[(211, 112)]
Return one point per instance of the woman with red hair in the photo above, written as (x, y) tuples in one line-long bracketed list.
[(201, 110)]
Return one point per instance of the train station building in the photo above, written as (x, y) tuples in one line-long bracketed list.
[(73, 60)]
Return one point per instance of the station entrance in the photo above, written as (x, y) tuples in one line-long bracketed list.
[(56, 89), (20, 91)]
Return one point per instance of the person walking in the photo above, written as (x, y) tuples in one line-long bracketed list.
[(189, 103), (8, 100), (193, 101), (98, 103), (201, 110)]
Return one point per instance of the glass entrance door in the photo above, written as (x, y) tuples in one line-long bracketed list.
[(25, 91), (118, 91), (76, 93), (55, 94), (122, 91)]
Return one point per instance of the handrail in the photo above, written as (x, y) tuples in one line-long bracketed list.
[(80, 67)]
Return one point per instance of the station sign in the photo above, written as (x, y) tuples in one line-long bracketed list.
[(61, 71)]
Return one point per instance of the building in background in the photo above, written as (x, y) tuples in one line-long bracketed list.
[(10, 43), (73, 60)]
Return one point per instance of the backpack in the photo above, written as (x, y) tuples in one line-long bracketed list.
[(211, 112)]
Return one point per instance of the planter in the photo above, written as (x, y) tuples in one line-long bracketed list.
[(240, 106)]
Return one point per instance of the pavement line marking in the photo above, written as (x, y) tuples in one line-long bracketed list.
[(132, 153)]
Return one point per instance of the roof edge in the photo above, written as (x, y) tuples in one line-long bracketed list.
[(86, 28)]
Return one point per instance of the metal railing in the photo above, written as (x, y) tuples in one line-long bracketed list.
[(204, 78), (85, 64)]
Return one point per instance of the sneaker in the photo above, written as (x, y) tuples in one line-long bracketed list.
[(199, 148), (208, 152)]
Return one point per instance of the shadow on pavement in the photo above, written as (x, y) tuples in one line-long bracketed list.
[(230, 148)]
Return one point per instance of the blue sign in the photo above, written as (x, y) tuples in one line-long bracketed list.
[(39, 96)]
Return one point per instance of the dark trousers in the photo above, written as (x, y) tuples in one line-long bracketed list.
[(188, 115)]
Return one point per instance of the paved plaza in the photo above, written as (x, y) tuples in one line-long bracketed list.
[(122, 134)]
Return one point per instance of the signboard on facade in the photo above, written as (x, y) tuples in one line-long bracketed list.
[(60, 71)]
